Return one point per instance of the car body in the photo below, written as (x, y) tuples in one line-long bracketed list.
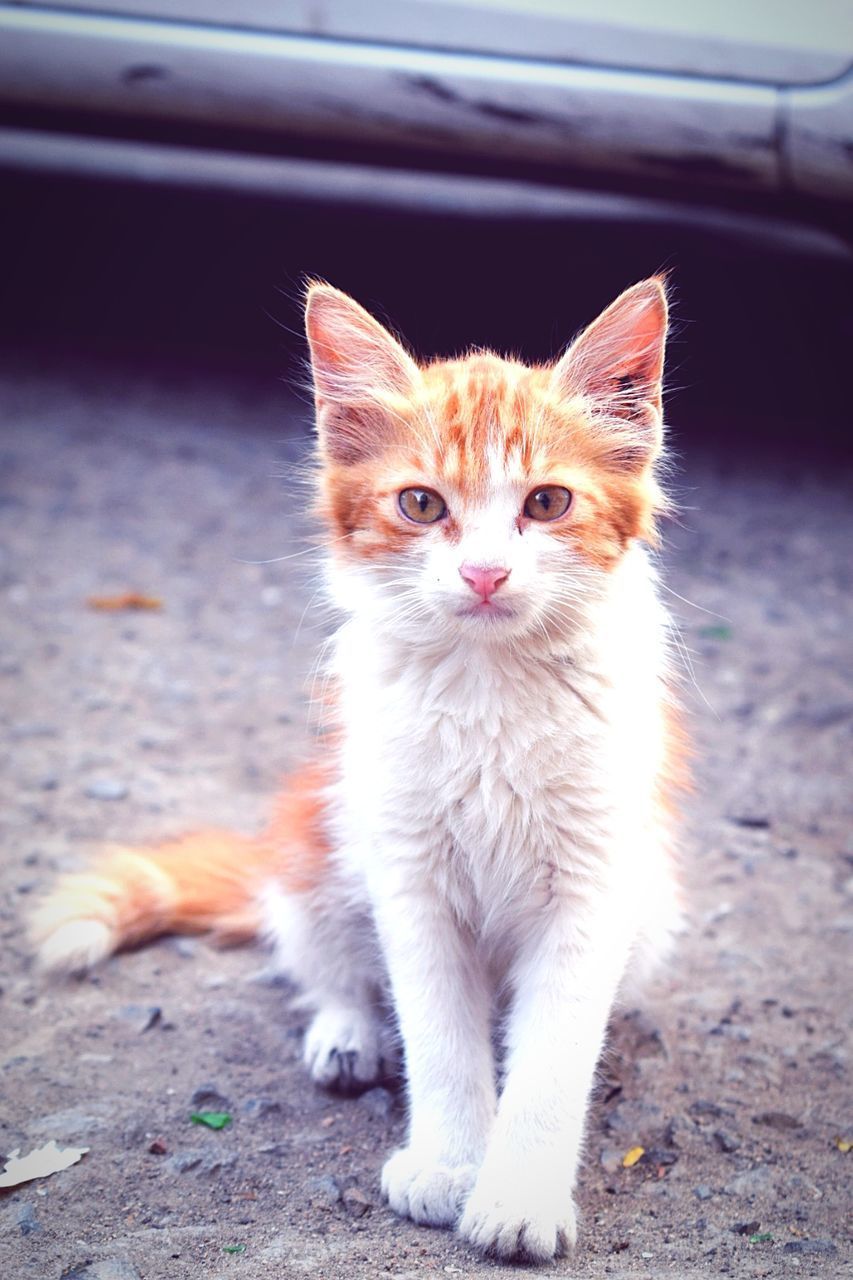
[(498, 102)]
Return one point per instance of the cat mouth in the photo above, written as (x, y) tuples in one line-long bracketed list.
[(488, 609)]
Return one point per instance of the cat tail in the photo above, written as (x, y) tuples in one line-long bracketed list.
[(207, 881)]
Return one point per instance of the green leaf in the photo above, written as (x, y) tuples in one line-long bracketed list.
[(716, 633), (212, 1119), (233, 1248), (760, 1238)]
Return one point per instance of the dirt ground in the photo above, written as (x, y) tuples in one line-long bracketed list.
[(734, 1077)]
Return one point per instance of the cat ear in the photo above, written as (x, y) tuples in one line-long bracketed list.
[(360, 373), (617, 365)]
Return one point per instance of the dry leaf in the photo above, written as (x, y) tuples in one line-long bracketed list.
[(631, 1157), (38, 1164), (127, 600)]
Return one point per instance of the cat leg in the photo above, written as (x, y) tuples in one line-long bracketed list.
[(443, 1008), (330, 951), (565, 983)]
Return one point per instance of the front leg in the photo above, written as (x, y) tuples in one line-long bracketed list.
[(565, 983), (443, 1007)]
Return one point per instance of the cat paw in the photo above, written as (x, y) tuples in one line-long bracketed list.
[(344, 1049), (517, 1224), (424, 1190)]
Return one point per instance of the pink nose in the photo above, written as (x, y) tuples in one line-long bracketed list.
[(483, 579)]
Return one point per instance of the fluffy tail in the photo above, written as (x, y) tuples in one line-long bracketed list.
[(209, 880)]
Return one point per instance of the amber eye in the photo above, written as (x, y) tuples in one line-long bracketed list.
[(422, 505), (548, 503)]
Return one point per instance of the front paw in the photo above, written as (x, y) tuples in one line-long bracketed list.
[(345, 1049), (426, 1190), (519, 1219)]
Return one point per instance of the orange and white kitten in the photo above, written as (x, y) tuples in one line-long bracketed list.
[(488, 828)]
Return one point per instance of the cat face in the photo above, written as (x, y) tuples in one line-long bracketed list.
[(480, 493)]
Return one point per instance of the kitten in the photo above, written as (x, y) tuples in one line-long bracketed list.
[(489, 825)]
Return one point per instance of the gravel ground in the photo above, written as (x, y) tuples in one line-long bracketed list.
[(734, 1075)]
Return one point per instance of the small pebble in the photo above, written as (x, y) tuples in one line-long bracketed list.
[(27, 1221), (809, 1246), (356, 1202), (207, 1097), (757, 1181), (726, 1141), (632, 1116), (213, 1165), (702, 1109), (753, 821), (258, 1108), (702, 1192), (327, 1189), (106, 789), (777, 1120), (183, 1161), (141, 1016), (277, 1150)]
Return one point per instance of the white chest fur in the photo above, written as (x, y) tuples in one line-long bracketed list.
[(486, 768)]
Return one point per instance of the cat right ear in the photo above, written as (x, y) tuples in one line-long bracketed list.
[(360, 373), (617, 365)]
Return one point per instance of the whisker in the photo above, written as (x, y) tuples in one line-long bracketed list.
[(693, 604), (307, 551)]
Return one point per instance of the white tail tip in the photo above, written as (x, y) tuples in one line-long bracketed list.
[(76, 946)]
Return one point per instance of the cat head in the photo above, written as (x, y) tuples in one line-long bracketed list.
[(481, 494)]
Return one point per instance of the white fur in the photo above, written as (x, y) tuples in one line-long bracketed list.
[(74, 946), (496, 849)]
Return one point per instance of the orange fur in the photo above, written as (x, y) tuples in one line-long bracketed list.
[(297, 828), (209, 880), (591, 422)]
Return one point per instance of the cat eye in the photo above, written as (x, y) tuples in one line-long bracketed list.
[(548, 503), (422, 505)]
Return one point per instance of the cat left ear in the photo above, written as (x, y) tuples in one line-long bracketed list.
[(617, 366), (359, 370)]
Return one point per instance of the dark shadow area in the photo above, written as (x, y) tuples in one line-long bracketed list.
[(760, 344)]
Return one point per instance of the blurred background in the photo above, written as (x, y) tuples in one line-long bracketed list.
[(485, 172)]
